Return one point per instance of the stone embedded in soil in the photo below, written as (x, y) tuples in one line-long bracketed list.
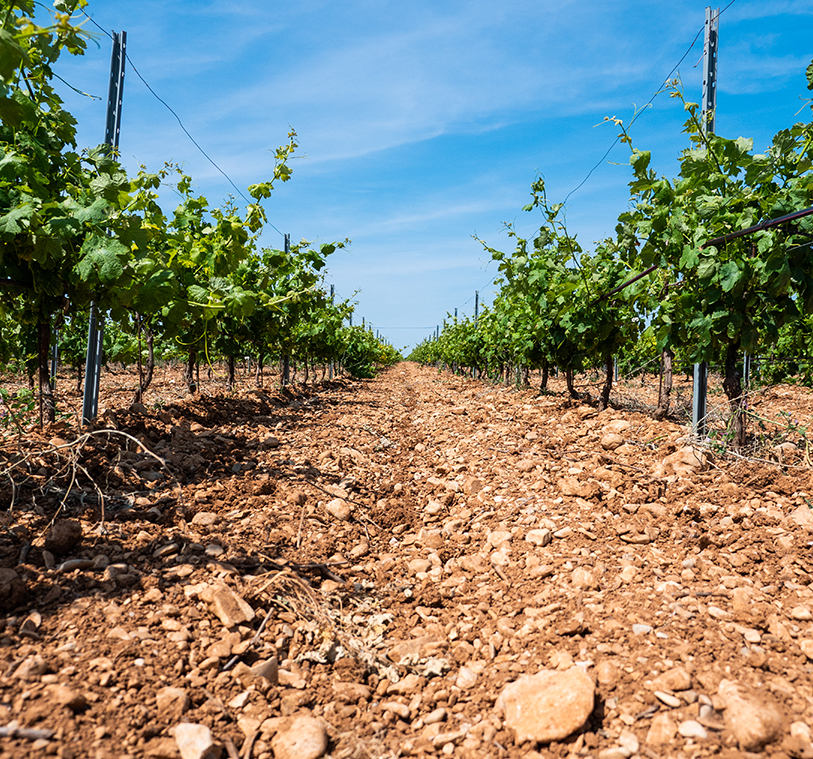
[(230, 608), (541, 537), (752, 716), (676, 679), (195, 741), (683, 463), (607, 673), (691, 728), (807, 647), (351, 692), (548, 706), (299, 737), (31, 667), (668, 699), (611, 441), (662, 729), (63, 536), (466, 678), (68, 697), (339, 509), (802, 516), (172, 702), (205, 519)]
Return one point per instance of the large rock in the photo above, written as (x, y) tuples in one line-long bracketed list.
[(662, 730), (63, 536), (677, 679), (299, 737), (802, 516), (547, 706), (195, 741), (682, 463), (171, 702), (230, 608), (752, 716)]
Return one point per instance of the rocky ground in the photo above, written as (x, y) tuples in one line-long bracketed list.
[(416, 565)]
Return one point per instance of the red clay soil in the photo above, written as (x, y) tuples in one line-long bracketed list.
[(385, 557)]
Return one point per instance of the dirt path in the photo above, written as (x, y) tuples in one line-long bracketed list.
[(361, 570)]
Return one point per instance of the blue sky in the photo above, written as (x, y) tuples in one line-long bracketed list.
[(422, 124)]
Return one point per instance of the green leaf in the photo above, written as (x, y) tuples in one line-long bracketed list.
[(730, 275), (101, 262)]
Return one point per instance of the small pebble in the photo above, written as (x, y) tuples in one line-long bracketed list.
[(692, 729), (668, 699)]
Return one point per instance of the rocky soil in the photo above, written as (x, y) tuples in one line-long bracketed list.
[(416, 565)]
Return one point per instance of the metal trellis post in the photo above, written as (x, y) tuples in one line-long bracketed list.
[(708, 120), (330, 366), (286, 359), (93, 361)]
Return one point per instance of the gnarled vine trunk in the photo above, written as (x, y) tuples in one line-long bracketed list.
[(230, 364), (47, 405), (569, 382), (190, 370), (545, 376), (733, 390), (145, 374), (665, 391), (609, 367)]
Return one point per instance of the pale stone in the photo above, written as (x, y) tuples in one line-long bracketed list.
[(472, 486), (801, 730), (350, 692), (676, 679), (65, 696), (195, 741), (615, 752), (752, 716), (438, 715), (668, 699), (628, 741), (230, 608), (32, 667), (172, 702), (402, 710), (803, 516), (807, 647), (692, 729), (466, 678), (539, 537), (617, 425), (547, 706), (628, 573), (801, 613), (662, 729), (583, 578), (419, 565), (205, 519), (611, 440), (683, 463), (607, 674), (300, 737), (339, 509)]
